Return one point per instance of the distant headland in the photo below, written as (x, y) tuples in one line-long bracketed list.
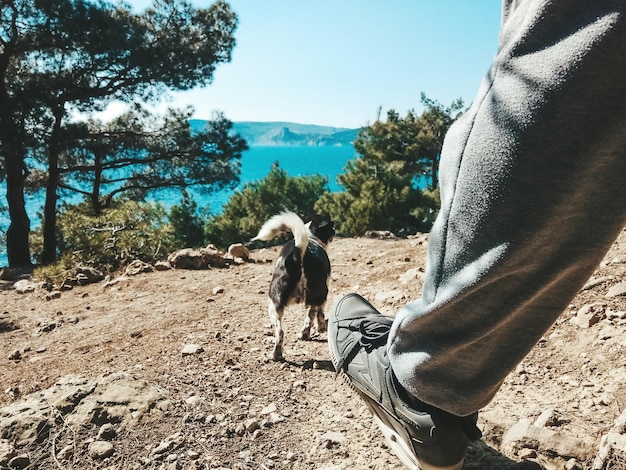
[(289, 134)]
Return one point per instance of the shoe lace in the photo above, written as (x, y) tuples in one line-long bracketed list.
[(374, 333)]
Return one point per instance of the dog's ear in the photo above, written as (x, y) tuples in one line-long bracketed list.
[(322, 220)]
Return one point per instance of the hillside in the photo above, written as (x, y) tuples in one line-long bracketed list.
[(168, 370), (289, 133)]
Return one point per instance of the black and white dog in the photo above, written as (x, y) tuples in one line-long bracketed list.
[(301, 273)]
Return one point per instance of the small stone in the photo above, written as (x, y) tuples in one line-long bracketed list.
[(15, 355), (299, 384), (191, 349), (549, 418), (589, 315), (238, 250), (100, 450), (252, 425), (218, 290), (271, 408), (55, 294), (194, 400), (616, 290), (24, 286), (106, 432)]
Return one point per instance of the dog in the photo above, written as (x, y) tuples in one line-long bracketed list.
[(301, 272)]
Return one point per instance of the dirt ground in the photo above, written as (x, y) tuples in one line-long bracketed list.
[(142, 324)]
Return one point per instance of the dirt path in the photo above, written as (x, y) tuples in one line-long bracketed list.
[(231, 408)]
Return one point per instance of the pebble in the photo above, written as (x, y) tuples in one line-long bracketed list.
[(100, 450), (191, 349), (106, 432)]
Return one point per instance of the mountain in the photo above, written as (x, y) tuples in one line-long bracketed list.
[(288, 133)]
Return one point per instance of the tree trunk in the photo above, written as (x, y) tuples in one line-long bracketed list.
[(96, 204), (13, 152), (49, 253), (18, 247)]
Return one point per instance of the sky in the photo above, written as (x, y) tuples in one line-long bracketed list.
[(336, 62)]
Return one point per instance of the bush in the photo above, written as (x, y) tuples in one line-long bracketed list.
[(248, 209), (127, 231), (187, 226)]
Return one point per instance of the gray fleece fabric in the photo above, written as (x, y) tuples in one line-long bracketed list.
[(533, 188)]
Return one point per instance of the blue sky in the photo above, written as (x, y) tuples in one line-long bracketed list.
[(335, 62)]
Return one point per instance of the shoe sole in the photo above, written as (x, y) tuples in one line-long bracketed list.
[(382, 419)]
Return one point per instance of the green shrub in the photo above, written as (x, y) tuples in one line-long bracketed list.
[(248, 209), (127, 231), (187, 226)]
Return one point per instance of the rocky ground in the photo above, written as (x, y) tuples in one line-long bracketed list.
[(169, 370)]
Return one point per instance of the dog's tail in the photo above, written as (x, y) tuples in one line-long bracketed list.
[(285, 222)]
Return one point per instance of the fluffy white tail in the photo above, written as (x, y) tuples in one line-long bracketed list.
[(285, 222)]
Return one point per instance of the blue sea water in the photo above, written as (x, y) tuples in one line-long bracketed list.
[(255, 164)]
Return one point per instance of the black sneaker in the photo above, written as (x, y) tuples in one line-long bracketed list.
[(423, 437)]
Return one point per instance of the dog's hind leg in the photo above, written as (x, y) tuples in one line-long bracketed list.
[(322, 322), (276, 317), (305, 334)]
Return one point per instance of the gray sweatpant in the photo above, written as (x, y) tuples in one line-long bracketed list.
[(533, 189)]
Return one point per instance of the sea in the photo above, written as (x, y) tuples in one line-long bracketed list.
[(255, 165)]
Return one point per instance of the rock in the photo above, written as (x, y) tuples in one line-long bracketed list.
[(191, 349), (616, 290), (189, 258), (162, 266), (237, 250), (524, 435), (218, 290), (331, 438), (589, 315), (116, 280), (389, 297), (271, 408), (411, 275), (13, 274), (596, 282), (380, 234), (169, 444), (16, 355), (106, 432), (137, 267), (88, 275), (99, 450), (24, 286), (550, 418), (252, 425), (69, 283), (116, 398), (52, 295), (194, 400)]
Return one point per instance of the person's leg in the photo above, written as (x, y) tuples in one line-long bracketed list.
[(533, 195)]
